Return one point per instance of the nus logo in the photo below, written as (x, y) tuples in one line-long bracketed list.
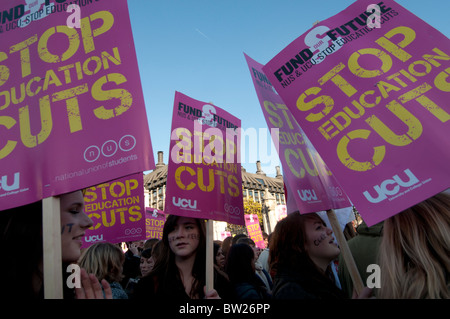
[(184, 203), (93, 238), (382, 190), (307, 195), (10, 187)]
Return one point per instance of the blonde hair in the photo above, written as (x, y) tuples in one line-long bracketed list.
[(104, 260), (414, 253)]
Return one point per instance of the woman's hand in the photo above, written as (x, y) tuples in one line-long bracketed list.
[(212, 294), (366, 293), (91, 288)]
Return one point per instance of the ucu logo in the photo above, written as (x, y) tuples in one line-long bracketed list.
[(93, 238), (307, 195), (13, 186), (382, 190), (184, 203)]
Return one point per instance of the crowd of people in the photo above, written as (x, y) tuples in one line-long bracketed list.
[(412, 250)]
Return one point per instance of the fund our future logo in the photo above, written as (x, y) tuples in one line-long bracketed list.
[(391, 187)]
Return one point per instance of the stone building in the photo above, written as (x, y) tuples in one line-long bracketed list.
[(269, 191)]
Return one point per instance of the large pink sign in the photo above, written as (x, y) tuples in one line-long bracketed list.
[(154, 223), (313, 187), (117, 210), (254, 230), (374, 103), (204, 178), (72, 113)]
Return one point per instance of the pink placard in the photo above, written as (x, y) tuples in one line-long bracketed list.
[(154, 223), (224, 234), (117, 210), (313, 187), (374, 103), (254, 230), (72, 112), (280, 212), (204, 178)]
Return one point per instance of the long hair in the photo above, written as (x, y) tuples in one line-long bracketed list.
[(287, 253), (165, 267), (414, 253), (104, 260), (239, 263)]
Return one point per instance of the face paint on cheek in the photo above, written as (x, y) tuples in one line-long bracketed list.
[(319, 240), (69, 228), (171, 239), (193, 236)]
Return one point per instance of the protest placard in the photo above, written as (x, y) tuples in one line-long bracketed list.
[(72, 112), (313, 187), (154, 223), (254, 230), (117, 209), (373, 102), (204, 178)]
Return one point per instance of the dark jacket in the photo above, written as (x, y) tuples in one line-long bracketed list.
[(290, 284), (364, 249), (157, 286)]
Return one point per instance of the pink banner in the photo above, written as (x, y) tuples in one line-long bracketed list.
[(374, 103), (154, 223), (72, 112), (254, 230), (117, 210), (204, 178), (313, 187)]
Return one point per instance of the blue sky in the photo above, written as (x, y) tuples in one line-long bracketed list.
[(196, 47)]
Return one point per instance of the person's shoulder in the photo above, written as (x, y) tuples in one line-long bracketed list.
[(286, 288)]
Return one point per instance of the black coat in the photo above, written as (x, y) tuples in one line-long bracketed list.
[(289, 284)]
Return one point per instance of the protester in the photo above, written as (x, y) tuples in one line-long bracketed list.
[(262, 274), (364, 249), (21, 228), (263, 258), (414, 253), (149, 243), (240, 267), (235, 238), (131, 266), (105, 261), (146, 266), (181, 274), (219, 257), (301, 250), (226, 244), (147, 262)]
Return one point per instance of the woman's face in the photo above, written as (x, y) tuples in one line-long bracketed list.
[(146, 265), (185, 237), (74, 223), (320, 244), (220, 258)]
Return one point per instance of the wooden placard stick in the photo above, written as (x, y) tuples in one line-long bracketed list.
[(209, 255), (51, 240), (358, 284)]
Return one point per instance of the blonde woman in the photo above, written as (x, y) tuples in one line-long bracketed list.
[(105, 261), (414, 255)]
